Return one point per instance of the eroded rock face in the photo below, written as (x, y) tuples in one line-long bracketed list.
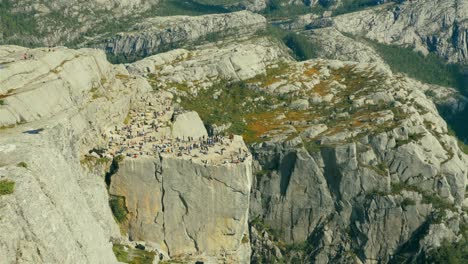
[(370, 189), (189, 207), (158, 33), (59, 210), (429, 26)]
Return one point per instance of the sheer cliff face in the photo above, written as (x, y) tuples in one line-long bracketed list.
[(51, 111), (357, 191), (188, 208), (59, 209), (346, 162)]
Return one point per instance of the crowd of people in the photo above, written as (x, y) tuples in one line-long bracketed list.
[(147, 132)]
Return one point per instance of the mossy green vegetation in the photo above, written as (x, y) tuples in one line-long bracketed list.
[(430, 69), (350, 6), (12, 22), (118, 207), (302, 48), (133, 255), (189, 7), (282, 9), (7, 187), (427, 68), (22, 164)]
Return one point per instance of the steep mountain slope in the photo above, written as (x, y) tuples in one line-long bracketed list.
[(346, 153), (427, 26)]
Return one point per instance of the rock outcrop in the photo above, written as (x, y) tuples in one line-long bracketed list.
[(159, 33), (188, 207), (58, 212), (372, 189), (428, 26), (354, 150), (209, 64), (54, 151)]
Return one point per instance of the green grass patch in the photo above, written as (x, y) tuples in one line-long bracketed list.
[(7, 187), (282, 9), (189, 7), (133, 255), (12, 23)]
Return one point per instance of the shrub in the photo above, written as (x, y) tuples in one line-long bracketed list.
[(245, 239), (429, 69), (133, 255), (12, 23), (450, 253), (407, 202), (118, 207), (353, 6), (2, 102), (22, 164), (302, 47), (7, 187)]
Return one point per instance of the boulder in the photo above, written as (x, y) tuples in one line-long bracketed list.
[(188, 124)]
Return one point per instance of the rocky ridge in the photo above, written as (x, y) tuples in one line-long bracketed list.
[(159, 33), (426, 26)]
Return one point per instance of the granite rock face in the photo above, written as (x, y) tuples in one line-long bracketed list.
[(189, 208), (159, 33), (59, 209), (356, 192), (202, 67), (428, 26)]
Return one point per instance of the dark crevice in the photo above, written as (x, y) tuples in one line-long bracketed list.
[(113, 169), (286, 169)]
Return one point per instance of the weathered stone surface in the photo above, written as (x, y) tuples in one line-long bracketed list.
[(233, 61), (188, 124), (188, 207), (59, 210), (364, 182), (428, 26), (157, 33)]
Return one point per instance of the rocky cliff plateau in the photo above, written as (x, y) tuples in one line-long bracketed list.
[(230, 150)]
